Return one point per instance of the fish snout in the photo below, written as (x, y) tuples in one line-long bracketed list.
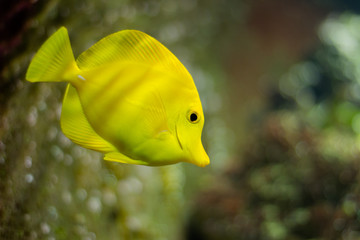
[(198, 156)]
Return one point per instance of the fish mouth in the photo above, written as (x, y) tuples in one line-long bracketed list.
[(199, 156)]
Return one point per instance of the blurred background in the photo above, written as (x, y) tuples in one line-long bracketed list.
[(280, 87)]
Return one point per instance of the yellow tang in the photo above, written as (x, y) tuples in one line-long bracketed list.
[(128, 97)]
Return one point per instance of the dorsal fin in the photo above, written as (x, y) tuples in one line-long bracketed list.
[(133, 46)]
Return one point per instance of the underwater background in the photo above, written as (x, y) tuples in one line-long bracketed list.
[(280, 86)]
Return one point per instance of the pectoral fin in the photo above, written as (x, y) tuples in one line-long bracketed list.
[(153, 117)]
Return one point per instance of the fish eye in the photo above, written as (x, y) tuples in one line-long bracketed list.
[(193, 117)]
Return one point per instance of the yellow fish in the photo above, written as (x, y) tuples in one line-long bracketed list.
[(128, 97)]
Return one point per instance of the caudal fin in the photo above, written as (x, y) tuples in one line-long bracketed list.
[(54, 62)]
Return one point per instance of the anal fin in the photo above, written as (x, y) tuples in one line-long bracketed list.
[(119, 157), (77, 128)]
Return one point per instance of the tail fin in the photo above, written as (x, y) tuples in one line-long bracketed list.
[(54, 61)]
